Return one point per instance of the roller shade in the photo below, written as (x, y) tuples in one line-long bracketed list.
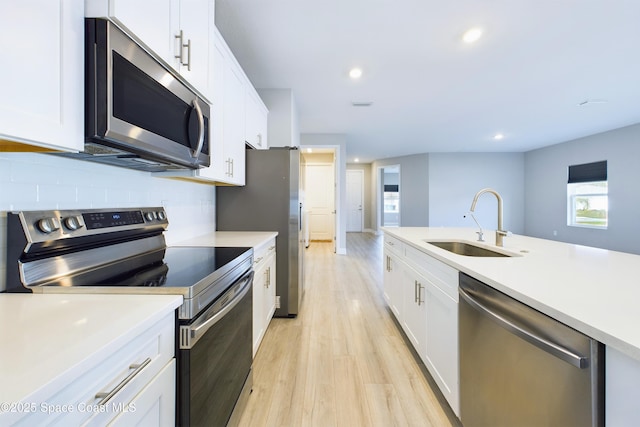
[(588, 172)]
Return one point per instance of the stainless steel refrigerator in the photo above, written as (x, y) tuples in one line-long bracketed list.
[(270, 201)]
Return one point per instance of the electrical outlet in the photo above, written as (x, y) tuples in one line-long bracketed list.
[(277, 301)]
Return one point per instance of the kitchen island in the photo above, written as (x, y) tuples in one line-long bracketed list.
[(594, 291)]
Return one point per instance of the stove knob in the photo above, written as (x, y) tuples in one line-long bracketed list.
[(149, 216), (48, 225), (162, 216), (72, 222)]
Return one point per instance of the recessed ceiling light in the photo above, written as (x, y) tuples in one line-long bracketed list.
[(498, 136), (356, 160), (355, 73), (309, 150), (472, 35)]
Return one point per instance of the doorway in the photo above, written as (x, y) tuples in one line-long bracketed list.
[(320, 194), (390, 196)]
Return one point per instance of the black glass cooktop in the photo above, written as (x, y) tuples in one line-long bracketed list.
[(173, 267)]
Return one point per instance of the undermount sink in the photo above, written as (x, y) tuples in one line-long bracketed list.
[(466, 249)]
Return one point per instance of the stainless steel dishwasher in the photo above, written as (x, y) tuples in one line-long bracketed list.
[(519, 367)]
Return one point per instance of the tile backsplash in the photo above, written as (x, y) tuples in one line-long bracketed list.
[(32, 181)]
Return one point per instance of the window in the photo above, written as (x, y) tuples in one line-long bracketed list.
[(587, 195)]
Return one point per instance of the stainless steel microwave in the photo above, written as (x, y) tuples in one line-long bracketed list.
[(139, 113)]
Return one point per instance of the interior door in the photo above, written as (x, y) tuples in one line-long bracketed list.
[(320, 201), (355, 190)]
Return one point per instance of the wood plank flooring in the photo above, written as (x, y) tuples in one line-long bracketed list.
[(343, 360)]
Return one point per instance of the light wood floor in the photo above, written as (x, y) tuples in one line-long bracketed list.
[(343, 360)]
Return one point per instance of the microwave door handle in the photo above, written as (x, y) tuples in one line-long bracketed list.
[(196, 154)]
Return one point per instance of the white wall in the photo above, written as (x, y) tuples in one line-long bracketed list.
[(31, 181), (454, 178), (546, 189), (283, 127)]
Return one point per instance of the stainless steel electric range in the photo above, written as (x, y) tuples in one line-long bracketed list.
[(124, 251)]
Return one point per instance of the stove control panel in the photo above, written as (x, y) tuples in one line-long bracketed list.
[(43, 226)]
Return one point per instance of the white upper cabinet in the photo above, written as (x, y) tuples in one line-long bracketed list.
[(42, 76), (192, 43), (177, 31), (256, 119)]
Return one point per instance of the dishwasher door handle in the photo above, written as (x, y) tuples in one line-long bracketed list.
[(547, 346)]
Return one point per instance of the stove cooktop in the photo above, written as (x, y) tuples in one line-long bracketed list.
[(180, 270)]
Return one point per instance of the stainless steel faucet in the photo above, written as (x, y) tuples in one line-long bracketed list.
[(500, 233)]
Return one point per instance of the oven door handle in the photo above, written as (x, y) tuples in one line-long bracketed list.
[(190, 334)]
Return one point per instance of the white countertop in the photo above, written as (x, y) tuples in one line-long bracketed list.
[(251, 239), (595, 291), (44, 337)]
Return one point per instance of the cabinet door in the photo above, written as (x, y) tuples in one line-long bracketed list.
[(256, 120), (155, 405), (442, 343), (392, 283), (42, 77), (259, 286), (414, 309), (196, 25), (270, 291), (233, 122), (227, 128)]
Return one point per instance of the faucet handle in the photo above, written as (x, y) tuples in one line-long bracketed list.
[(480, 236)]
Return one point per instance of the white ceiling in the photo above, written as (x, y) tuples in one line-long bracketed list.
[(535, 63)]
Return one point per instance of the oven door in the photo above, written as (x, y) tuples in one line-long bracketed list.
[(136, 104), (215, 356)]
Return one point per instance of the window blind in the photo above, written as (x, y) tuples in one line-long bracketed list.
[(588, 172)]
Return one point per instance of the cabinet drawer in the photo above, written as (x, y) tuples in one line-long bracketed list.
[(116, 378), (261, 253), (393, 244), (439, 273)]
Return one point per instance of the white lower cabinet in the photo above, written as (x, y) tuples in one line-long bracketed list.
[(622, 388), (264, 290), (422, 293), (155, 404), (442, 343), (392, 282), (414, 309), (130, 386)]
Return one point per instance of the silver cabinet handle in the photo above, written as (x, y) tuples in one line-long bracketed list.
[(180, 46), (196, 106), (552, 348), (106, 396), (188, 46), (419, 299)]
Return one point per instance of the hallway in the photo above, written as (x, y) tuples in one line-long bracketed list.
[(342, 361)]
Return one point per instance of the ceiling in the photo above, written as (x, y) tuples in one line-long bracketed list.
[(526, 77)]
